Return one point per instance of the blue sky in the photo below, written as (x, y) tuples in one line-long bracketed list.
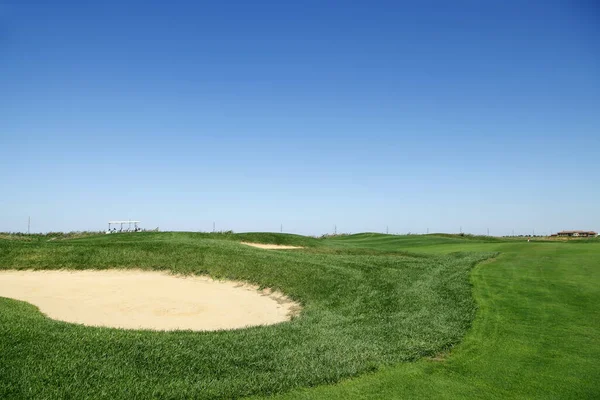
[(365, 114)]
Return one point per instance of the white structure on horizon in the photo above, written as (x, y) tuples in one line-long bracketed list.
[(128, 222)]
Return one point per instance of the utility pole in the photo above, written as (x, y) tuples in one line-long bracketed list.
[(28, 224), (428, 231), (488, 232), (461, 229), (387, 230), (213, 227), (281, 230), (335, 229)]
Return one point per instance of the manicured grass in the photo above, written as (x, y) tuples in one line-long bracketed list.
[(364, 309)]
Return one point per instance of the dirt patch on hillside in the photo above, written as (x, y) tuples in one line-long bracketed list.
[(134, 299), (272, 246)]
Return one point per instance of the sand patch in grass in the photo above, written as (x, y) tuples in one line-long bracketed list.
[(271, 246), (135, 299)]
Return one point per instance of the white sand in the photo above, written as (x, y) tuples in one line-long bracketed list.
[(271, 246), (135, 299)]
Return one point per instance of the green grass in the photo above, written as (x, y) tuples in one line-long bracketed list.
[(536, 334), (408, 242), (384, 317), (362, 310)]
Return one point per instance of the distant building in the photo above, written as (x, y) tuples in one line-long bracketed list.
[(577, 233)]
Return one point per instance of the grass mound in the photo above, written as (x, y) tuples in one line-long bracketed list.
[(363, 309), (404, 242)]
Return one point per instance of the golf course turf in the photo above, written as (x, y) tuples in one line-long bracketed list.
[(383, 317)]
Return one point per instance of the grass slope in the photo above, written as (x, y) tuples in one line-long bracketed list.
[(536, 335), (363, 309), (397, 242)]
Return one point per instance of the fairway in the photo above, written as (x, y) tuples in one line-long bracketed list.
[(383, 317)]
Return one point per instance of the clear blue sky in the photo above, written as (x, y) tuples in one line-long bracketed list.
[(362, 114)]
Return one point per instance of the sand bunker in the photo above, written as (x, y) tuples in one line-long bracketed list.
[(134, 299), (271, 246)]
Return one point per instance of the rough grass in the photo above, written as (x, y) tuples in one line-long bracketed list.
[(536, 334), (364, 309)]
